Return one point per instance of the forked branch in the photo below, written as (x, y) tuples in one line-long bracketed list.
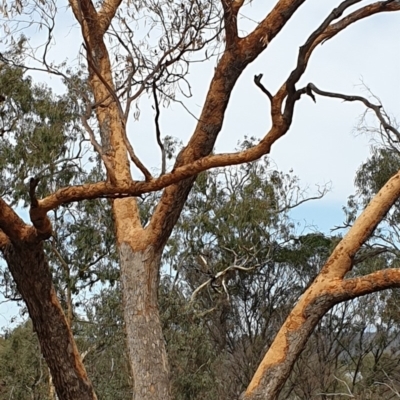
[(12, 227), (326, 31)]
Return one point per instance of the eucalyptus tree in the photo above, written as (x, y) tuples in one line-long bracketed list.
[(119, 64)]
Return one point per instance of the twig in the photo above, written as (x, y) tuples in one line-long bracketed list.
[(349, 394), (388, 386), (96, 145), (221, 274)]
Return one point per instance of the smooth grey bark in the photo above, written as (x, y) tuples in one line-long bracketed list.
[(146, 346)]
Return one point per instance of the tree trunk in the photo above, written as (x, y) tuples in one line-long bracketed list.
[(30, 270), (147, 353)]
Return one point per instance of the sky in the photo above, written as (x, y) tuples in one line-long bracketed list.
[(322, 146)]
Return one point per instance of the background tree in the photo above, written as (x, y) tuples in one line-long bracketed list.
[(116, 74), (23, 373)]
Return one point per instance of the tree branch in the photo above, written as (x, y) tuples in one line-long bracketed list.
[(127, 143), (341, 259), (323, 33), (232, 63), (327, 289), (257, 81), (375, 108), (304, 55), (231, 10), (158, 132), (361, 13), (374, 282), (38, 216), (136, 188), (258, 40), (107, 13), (13, 228)]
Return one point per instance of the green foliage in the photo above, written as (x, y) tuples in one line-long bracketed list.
[(376, 171), (39, 136), (190, 348), (23, 371), (101, 340)]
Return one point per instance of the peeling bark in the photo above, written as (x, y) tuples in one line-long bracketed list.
[(32, 275)]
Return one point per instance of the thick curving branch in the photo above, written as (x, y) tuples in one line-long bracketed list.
[(304, 54), (231, 65), (13, 227), (341, 260), (371, 283), (136, 188), (328, 289)]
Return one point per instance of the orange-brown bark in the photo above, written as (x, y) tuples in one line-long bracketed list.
[(22, 248), (328, 289), (31, 273), (4, 240), (139, 262), (13, 227)]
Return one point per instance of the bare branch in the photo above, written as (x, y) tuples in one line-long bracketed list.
[(135, 159), (324, 32), (362, 228), (137, 188), (96, 145), (158, 132), (377, 109), (222, 275), (349, 394), (390, 387), (304, 55), (257, 81)]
